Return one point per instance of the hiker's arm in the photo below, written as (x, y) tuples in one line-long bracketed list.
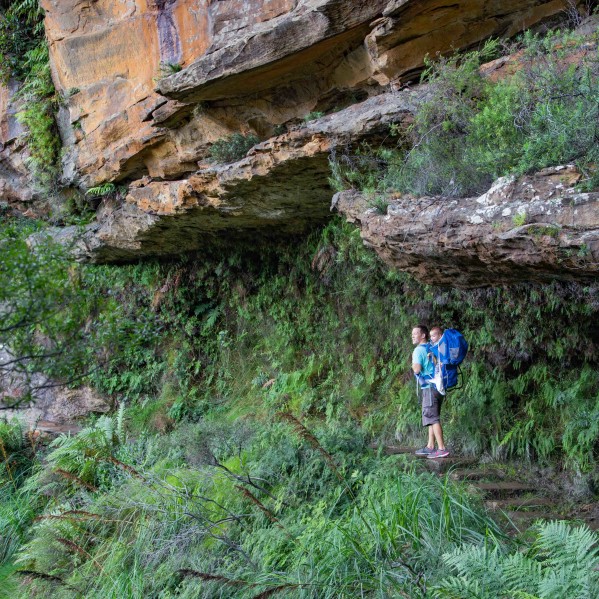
[(416, 367)]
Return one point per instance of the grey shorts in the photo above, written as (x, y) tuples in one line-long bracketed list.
[(432, 401)]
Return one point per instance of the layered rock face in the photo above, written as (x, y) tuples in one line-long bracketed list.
[(149, 85), (280, 189), (15, 184), (536, 228), (245, 65)]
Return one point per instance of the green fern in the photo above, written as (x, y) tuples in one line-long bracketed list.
[(480, 572), (562, 563), (21, 29), (9, 585), (84, 455), (465, 588), (24, 55), (101, 190)]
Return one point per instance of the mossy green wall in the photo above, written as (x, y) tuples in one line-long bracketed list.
[(322, 328)]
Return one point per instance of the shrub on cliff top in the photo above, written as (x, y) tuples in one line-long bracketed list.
[(472, 130), (546, 114), (232, 148)]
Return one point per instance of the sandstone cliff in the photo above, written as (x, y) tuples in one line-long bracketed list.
[(244, 66), (149, 85)]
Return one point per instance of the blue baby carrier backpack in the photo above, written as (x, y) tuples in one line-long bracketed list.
[(449, 352)]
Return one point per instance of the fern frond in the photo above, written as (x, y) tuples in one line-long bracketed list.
[(522, 573), (475, 560), (101, 190), (458, 587), (564, 545), (480, 564)]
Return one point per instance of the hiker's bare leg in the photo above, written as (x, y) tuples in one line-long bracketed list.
[(437, 432), (431, 438)]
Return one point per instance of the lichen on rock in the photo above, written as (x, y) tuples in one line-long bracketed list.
[(533, 228)]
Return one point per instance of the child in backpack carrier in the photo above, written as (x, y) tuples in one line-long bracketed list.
[(447, 350), (435, 335)]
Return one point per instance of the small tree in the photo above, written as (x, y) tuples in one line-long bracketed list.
[(46, 336)]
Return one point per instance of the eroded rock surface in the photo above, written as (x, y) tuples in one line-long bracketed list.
[(244, 66), (53, 403), (295, 45), (280, 189), (106, 56), (536, 228), (409, 30), (15, 183)]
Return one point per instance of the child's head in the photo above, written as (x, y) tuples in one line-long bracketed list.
[(436, 333)]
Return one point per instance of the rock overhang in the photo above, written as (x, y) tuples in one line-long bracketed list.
[(242, 69), (280, 189), (536, 228)]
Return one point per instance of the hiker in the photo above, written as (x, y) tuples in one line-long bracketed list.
[(431, 399)]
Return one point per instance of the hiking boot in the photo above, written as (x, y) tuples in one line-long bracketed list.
[(424, 451), (438, 453)]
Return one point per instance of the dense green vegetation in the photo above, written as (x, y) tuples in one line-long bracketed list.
[(232, 148), (327, 328), (473, 128), (250, 385), (46, 310), (21, 29)]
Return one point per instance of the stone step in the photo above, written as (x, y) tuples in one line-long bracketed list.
[(526, 518), (54, 429), (592, 523), (503, 488), (443, 465), (589, 514), (531, 515), (404, 449), (467, 474), (518, 502)]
